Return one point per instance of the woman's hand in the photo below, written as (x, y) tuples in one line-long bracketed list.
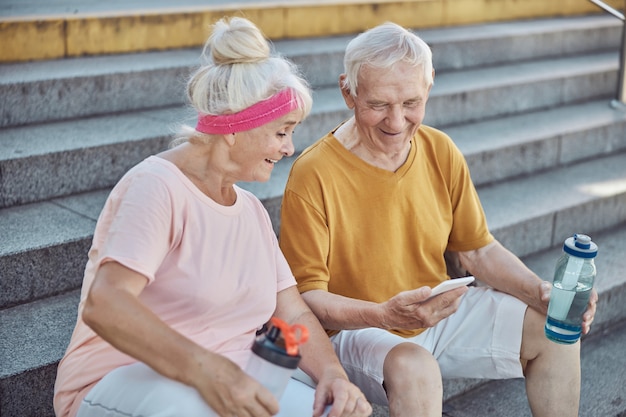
[(320, 362), (346, 398), (231, 392)]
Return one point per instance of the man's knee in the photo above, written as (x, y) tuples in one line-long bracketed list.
[(412, 362), (535, 343), (411, 371)]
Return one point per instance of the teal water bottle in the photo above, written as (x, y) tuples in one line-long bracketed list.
[(574, 277)]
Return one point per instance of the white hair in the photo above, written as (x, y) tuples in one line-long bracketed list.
[(382, 47)]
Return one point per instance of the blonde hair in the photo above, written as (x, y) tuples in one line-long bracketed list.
[(382, 47), (240, 69)]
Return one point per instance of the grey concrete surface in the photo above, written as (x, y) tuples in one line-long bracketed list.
[(71, 157), (549, 205), (558, 136), (42, 252), (33, 337), (41, 91), (468, 96)]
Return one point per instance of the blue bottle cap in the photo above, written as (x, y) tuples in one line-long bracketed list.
[(581, 246)]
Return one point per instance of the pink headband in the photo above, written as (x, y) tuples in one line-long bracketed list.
[(256, 115)]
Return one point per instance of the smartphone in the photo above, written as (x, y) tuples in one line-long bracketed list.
[(451, 284)]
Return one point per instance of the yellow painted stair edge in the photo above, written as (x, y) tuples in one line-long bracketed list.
[(47, 37)]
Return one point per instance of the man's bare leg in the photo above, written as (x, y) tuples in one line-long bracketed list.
[(413, 382), (552, 371)]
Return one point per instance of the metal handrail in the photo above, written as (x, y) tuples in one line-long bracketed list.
[(609, 9), (621, 90)]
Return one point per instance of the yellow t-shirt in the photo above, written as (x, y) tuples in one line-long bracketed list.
[(363, 232)]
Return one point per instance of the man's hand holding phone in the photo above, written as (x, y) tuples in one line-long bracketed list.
[(451, 284)]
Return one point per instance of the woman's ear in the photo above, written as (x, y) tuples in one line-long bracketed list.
[(345, 92)]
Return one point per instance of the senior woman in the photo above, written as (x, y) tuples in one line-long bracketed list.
[(184, 266)]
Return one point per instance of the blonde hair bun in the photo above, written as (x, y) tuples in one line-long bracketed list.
[(236, 41)]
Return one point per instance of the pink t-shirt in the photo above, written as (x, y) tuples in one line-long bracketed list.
[(213, 271)]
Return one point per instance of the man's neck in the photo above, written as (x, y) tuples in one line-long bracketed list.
[(348, 135)]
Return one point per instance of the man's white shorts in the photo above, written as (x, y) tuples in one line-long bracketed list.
[(481, 340)]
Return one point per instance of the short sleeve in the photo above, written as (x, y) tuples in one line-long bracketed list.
[(138, 225)]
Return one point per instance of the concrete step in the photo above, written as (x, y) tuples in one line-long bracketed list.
[(43, 91), (538, 141), (33, 338), (40, 162), (87, 86), (483, 93), (44, 246), (533, 213)]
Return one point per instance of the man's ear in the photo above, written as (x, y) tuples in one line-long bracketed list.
[(345, 92), (431, 84)]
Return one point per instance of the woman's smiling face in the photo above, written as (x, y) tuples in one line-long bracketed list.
[(256, 151)]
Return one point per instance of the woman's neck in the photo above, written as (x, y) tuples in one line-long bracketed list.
[(199, 163)]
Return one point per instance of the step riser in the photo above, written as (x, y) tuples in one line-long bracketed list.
[(539, 233), (464, 107), (522, 46), (42, 273), (29, 394), (59, 99), (541, 211), (34, 338), (546, 153), (47, 176)]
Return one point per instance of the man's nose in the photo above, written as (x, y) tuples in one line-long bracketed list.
[(395, 118)]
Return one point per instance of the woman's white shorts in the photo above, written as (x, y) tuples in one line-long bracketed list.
[(138, 391)]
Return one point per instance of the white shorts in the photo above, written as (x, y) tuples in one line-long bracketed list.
[(481, 340), (138, 391)]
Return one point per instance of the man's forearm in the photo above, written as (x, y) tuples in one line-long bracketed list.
[(337, 312), (499, 268)]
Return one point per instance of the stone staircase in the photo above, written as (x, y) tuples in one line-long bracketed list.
[(526, 101)]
